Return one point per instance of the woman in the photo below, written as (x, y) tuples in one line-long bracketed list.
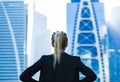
[(60, 66)]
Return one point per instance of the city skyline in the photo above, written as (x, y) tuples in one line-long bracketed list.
[(57, 20), (25, 33)]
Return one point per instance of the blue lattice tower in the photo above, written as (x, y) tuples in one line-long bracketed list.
[(86, 39)]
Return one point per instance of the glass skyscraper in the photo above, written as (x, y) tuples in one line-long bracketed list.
[(114, 53), (13, 36), (84, 20), (114, 44)]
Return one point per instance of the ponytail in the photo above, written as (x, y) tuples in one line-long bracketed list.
[(60, 43), (57, 50)]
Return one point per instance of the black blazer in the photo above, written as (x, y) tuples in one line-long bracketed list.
[(67, 71)]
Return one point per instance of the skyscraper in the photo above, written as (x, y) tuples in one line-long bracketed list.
[(84, 20), (113, 44), (13, 30), (40, 39)]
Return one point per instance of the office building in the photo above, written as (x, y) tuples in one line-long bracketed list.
[(40, 37), (113, 44), (84, 21), (13, 30)]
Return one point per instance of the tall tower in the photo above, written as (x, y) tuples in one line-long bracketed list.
[(12, 39), (83, 26), (114, 42)]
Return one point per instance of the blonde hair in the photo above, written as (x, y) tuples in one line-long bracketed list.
[(60, 43)]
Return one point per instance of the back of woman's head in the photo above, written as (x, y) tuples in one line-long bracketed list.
[(59, 42)]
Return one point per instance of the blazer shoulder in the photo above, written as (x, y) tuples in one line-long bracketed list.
[(47, 57), (76, 57)]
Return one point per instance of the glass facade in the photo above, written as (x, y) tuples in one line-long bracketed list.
[(114, 53), (114, 61), (13, 30), (83, 22)]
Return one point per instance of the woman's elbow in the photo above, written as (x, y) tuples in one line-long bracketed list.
[(93, 77), (22, 77)]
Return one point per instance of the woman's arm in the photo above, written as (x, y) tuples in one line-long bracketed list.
[(26, 75), (90, 76)]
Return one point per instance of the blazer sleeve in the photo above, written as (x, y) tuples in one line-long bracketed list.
[(26, 75), (90, 76)]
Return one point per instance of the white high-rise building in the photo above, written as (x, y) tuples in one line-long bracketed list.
[(40, 38)]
